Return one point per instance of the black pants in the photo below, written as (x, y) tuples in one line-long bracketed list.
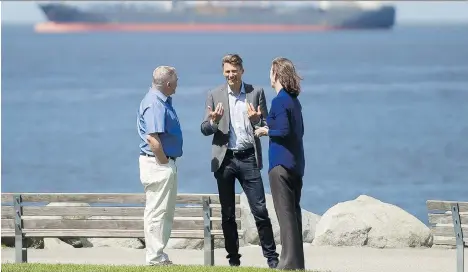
[(244, 168), (286, 191)]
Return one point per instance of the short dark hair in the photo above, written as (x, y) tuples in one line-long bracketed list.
[(286, 74), (233, 59)]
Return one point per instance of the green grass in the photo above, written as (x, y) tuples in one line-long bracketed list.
[(123, 268)]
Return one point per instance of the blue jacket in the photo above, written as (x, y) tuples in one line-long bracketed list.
[(286, 130)]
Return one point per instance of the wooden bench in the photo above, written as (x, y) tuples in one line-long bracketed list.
[(448, 221), (23, 216)]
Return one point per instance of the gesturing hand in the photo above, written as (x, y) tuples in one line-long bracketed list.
[(254, 116), (216, 115), (261, 131)]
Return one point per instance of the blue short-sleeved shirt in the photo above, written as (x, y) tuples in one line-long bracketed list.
[(156, 115)]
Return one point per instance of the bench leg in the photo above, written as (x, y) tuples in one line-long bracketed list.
[(208, 236), (209, 250), (21, 253), (459, 238), (460, 258)]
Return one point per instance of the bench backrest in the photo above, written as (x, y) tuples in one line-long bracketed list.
[(103, 215), (447, 219)]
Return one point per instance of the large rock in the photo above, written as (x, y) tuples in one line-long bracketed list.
[(367, 221), (57, 243), (31, 242), (309, 222), (194, 243), (135, 243), (50, 243), (185, 243)]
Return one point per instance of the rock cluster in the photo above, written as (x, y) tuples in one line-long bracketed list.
[(367, 221), (364, 221)]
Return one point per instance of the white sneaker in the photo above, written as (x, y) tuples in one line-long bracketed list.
[(165, 262)]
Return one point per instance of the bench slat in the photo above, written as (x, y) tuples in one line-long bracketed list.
[(446, 218), (438, 240), (98, 233), (446, 230), (438, 205), (180, 223), (107, 198), (8, 211)]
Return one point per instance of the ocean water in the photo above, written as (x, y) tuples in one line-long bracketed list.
[(386, 112)]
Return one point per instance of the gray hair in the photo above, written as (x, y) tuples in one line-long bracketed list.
[(162, 75)]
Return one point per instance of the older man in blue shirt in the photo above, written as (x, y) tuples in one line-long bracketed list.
[(160, 145)]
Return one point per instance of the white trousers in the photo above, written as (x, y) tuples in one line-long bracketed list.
[(160, 184)]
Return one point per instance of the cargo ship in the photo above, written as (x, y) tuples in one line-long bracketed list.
[(245, 16)]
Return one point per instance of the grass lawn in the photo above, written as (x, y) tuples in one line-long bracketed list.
[(123, 268)]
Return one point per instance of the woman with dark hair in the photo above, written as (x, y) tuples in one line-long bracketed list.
[(286, 160)]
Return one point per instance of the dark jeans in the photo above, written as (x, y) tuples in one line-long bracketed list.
[(286, 192), (244, 168)]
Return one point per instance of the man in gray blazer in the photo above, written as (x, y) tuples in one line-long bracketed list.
[(233, 111)]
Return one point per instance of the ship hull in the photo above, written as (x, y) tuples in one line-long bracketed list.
[(67, 18), (50, 27)]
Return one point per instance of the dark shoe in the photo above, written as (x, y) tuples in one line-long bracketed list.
[(234, 260), (273, 263)]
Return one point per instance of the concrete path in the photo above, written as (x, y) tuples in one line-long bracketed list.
[(335, 259)]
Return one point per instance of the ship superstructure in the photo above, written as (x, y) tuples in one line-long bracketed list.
[(160, 15)]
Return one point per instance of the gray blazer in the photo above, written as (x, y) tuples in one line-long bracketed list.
[(254, 95)]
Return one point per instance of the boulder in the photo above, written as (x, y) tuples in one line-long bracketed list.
[(31, 242), (52, 243), (185, 243), (250, 234), (366, 221), (309, 222), (38, 242), (135, 243), (55, 243), (196, 243)]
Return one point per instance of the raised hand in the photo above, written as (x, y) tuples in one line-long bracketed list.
[(216, 115), (254, 115)]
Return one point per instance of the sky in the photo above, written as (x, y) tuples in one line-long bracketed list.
[(407, 11)]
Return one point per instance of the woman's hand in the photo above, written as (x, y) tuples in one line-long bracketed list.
[(261, 131)]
